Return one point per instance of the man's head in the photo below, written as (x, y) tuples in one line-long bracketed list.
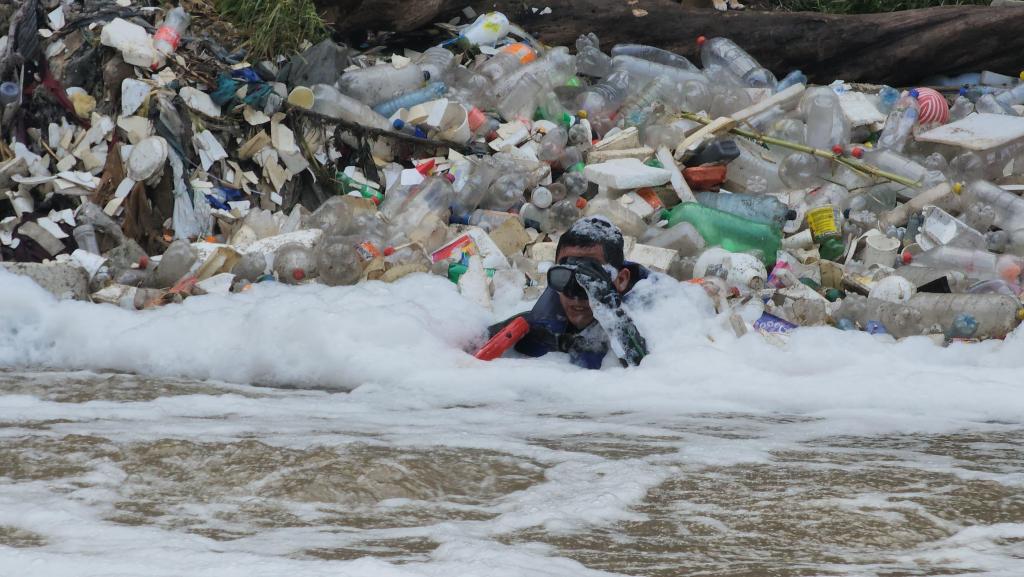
[(596, 238)]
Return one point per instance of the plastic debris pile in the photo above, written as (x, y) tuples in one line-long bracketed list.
[(144, 163)]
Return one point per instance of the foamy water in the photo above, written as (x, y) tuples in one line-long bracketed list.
[(232, 448)]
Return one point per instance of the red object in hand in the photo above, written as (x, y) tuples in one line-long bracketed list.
[(511, 334)]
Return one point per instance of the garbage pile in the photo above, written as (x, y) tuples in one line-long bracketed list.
[(144, 163)]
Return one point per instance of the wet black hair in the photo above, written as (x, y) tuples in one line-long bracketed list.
[(595, 231)]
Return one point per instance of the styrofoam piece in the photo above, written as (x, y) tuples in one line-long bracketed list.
[(307, 238), (133, 94), (626, 174), (859, 109), (978, 132), (132, 40), (199, 101)]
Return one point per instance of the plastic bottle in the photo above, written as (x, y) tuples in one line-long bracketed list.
[(335, 214), (1011, 97), (85, 238), (987, 104), (939, 228), (330, 102), (752, 173), (1009, 208), (552, 69), (168, 36), (379, 83), (731, 232), (637, 107), (683, 237), (887, 99), (727, 54), (962, 106), (602, 100), (437, 62), (505, 192), (996, 315), (642, 70), (10, 93), (628, 221), (472, 181), (940, 195), (431, 197), (756, 207), (294, 263), (976, 264), (792, 79), (431, 91), (896, 163), (589, 58), (825, 224), (826, 124), (341, 260), (175, 263), (552, 144), (654, 54), (485, 219), (900, 123), (557, 218), (500, 65), (986, 165)]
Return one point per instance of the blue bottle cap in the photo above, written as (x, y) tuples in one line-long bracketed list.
[(398, 124), (914, 93)]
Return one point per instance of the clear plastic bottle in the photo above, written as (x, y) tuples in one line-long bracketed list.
[(900, 123), (294, 263), (976, 264), (589, 58), (728, 55), (330, 102), (962, 106), (375, 84), (987, 104), (939, 228), (792, 79), (986, 165), (552, 144), (826, 124), (1012, 96), (505, 192), (437, 63), (557, 218), (996, 315), (335, 214), (628, 221), (683, 237), (431, 91), (731, 232), (473, 179), (602, 100), (175, 263), (639, 105), (752, 173), (431, 197), (654, 54), (85, 238), (756, 207), (500, 65), (1008, 207), (553, 69), (168, 37), (642, 70), (486, 219), (896, 163), (341, 260)]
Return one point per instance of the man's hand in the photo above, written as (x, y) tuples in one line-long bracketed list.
[(594, 279), (606, 302)]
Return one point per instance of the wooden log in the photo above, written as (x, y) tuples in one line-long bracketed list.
[(898, 48)]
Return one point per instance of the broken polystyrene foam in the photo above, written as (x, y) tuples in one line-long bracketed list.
[(133, 94), (136, 127), (626, 174), (132, 40), (83, 179), (199, 101), (977, 132), (859, 109), (255, 117), (208, 148), (218, 284), (307, 238), (621, 140), (92, 263), (281, 136), (52, 227), (641, 153), (56, 18)]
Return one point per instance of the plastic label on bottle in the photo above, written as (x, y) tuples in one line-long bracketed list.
[(651, 198), (168, 35), (822, 221), (367, 251), (769, 323)]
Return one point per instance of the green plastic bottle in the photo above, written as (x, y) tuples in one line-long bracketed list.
[(823, 222), (731, 232)]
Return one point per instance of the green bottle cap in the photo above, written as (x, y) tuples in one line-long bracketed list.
[(831, 248)]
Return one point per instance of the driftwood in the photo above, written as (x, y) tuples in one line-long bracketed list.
[(898, 48)]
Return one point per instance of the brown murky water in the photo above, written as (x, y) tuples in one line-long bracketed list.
[(709, 494)]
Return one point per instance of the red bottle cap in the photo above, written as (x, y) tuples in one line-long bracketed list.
[(143, 261), (581, 203), (907, 258), (701, 40), (298, 274), (837, 150), (858, 152), (389, 250), (424, 168)]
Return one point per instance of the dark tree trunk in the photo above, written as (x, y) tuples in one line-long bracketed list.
[(898, 48)]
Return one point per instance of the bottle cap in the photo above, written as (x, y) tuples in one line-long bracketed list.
[(424, 168), (857, 152), (914, 93), (298, 274), (791, 214), (1021, 75), (907, 258), (398, 124), (701, 40), (541, 197), (581, 203), (837, 150), (426, 76), (582, 114), (143, 261), (389, 250), (958, 187), (1020, 311), (963, 90)]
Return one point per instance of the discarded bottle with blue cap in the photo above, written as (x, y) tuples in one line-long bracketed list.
[(432, 91), (900, 123)]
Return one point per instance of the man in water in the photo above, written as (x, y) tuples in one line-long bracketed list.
[(581, 311)]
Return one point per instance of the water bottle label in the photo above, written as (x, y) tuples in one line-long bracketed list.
[(769, 323), (822, 221), (168, 35)]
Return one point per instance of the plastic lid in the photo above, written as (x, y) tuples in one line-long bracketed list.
[(426, 76), (857, 152), (424, 168), (907, 258), (1021, 75), (582, 114), (837, 150), (701, 40), (581, 203), (791, 214), (143, 261), (298, 274), (398, 124), (389, 250), (1020, 311), (476, 118), (914, 93), (963, 90), (958, 187)]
